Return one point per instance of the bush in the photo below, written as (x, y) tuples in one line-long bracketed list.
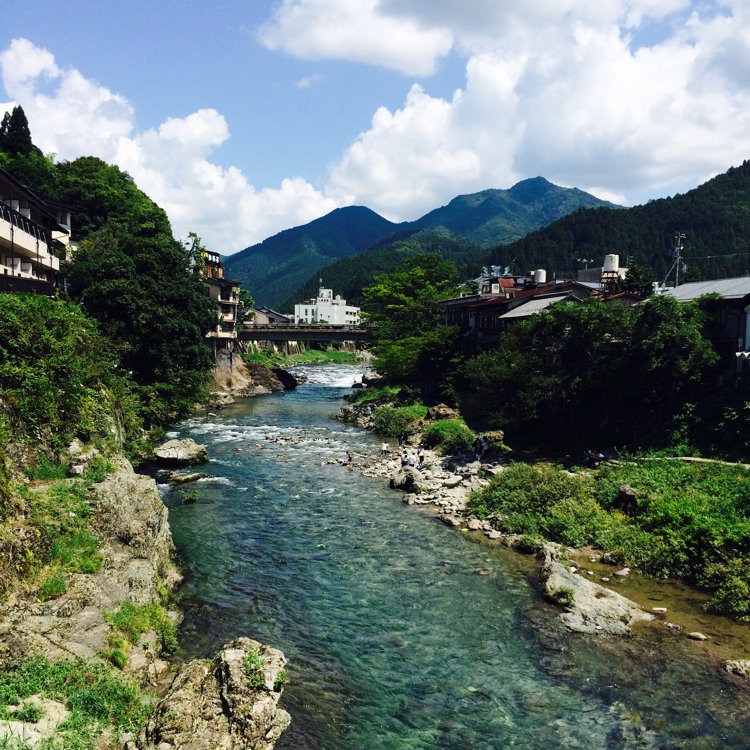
[(133, 620), (392, 421), (448, 436)]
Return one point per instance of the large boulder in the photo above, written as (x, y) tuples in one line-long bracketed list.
[(286, 378), (589, 607), (407, 479), (230, 703), (181, 453)]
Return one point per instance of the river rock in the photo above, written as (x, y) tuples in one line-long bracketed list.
[(696, 636), (406, 479), (181, 453), (286, 378), (214, 705), (740, 667), (590, 608)]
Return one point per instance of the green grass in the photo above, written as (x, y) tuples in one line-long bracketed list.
[(96, 694), (687, 520), (132, 620)]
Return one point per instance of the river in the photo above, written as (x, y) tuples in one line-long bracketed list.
[(401, 633)]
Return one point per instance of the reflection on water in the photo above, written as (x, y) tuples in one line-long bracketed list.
[(400, 632)]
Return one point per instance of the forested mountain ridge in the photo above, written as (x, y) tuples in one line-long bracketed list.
[(715, 218), (275, 269)]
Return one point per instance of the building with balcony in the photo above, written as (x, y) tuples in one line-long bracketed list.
[(226, 294), (34, 235), (326, 308)]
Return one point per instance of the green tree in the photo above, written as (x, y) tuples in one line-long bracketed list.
[(15, 136), (639, 280), (412, 345)]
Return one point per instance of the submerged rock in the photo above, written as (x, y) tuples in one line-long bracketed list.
[(221, 705)]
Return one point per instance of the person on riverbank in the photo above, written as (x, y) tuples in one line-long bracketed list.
[(404, 457), (411, 460), (349, 459), (420, 456), (383, 450)]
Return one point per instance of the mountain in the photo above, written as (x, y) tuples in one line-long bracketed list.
[(275, 269), (715, 218)]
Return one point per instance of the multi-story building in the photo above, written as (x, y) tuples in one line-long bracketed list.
[(226, 293), (326, 308), (34, 235)]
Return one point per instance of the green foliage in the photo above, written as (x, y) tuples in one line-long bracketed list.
[(138, 284), (15, 136), (604, 371), (392, 421), (253, 668), (448, 436), (133, 620), (281, 680), (57, 374), (412, 345), (97, 694)]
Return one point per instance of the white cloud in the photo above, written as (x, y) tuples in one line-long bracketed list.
[(555, 88), (354, 30), (171, 164)]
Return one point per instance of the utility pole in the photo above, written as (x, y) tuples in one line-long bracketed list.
[(677, 255)]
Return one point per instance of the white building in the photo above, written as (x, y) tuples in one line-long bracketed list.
[(326, 309)]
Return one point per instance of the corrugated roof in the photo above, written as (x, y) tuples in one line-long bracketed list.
[(729, 288), (532, 307)]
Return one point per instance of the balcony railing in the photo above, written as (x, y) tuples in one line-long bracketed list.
[(19, 284), (18, 220)]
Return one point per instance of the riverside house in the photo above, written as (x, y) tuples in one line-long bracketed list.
[(226, 293), (34, 235)]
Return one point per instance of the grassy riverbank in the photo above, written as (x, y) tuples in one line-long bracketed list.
[(271, 358), (662, 517)]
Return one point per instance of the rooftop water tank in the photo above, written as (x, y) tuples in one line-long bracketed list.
[(540, 276), (611, 263)]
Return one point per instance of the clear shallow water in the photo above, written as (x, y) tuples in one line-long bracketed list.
[(400, 632)]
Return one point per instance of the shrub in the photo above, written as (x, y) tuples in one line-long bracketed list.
[(392, 421), (448, 436), (253, 666)]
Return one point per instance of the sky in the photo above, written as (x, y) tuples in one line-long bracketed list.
[(242, 118)]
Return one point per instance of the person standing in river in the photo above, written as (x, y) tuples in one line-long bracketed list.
[(349, 459)]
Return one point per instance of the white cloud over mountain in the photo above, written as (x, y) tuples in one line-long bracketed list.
[(628, 99)]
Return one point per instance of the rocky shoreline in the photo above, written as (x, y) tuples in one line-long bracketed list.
[(205, 705), (445, 483)]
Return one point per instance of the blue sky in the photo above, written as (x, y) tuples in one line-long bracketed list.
[(245, 118)]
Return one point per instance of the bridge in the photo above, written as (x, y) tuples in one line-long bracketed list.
[(305, 332)]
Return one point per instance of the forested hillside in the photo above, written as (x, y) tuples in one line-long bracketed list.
[(280, 264), (129, 275), (275, 270), (715, 218)]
